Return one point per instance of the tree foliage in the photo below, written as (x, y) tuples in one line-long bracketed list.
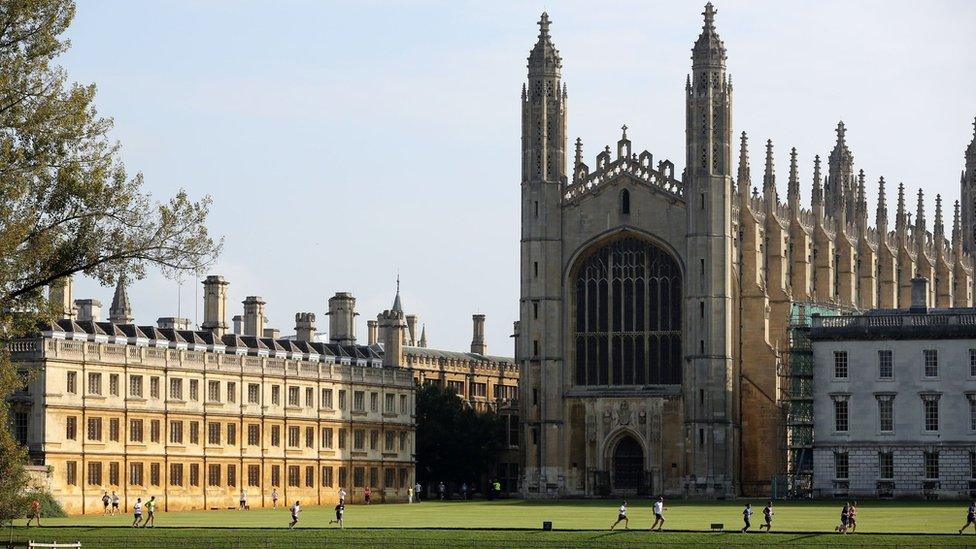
[(67, 204), (455, 443)]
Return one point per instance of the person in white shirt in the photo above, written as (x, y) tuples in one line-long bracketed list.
[(622, 516), (295, 509), (658, 514), (137, 511), (274, 497), (243, 501), (342, 496)]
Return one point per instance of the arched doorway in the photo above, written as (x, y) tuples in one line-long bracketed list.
[(628, 464)]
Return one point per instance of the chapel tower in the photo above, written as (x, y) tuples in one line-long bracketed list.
[(968, 197)]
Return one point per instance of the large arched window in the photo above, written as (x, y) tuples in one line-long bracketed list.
[(628, 315)]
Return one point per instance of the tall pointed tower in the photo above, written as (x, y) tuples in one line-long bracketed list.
[(539, 351), (968, 197), (709, 414), (839, 191), (121, 310)]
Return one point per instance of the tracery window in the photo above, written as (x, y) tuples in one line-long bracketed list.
[(628, 316)]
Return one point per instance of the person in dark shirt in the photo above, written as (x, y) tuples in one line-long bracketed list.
[(970, 516)]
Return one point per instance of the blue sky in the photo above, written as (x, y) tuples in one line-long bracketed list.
[(344, 142)]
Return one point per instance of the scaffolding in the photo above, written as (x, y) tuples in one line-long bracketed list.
[(796, 375)]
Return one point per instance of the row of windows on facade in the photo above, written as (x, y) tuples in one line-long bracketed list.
[(219, 433), (226, 475), (886, 465), (502, 392), (886, 412), (136, 383), (930, 364)]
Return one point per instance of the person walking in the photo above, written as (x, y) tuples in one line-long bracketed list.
[(464, 491), (243, 502), (440, 490), (416, 492), (35, 512), (658, 514), (970, 516), (105, 501), (340, 510), (746, 515), (367, 495), (150, 513), (274, 498), (622, 516), (410, 495), (342, 495), (768, 516), (295, 510), (844, 514), (137, 512), (852, 518), (115, 503)]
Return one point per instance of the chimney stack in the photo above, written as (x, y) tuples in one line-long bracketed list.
[(59, 293), (89, 309), (393, 325), (173, 322), (272, 333), (238, 321), (215, 305), (920, 295), (412, 330), (371, 332), (253, 316), (305, 326), (342, 318), (478, 346)]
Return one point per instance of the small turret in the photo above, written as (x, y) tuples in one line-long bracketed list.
[(120, 312), (709, 50), (793, 187)]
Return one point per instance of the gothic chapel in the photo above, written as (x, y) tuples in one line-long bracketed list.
[(654, 305)]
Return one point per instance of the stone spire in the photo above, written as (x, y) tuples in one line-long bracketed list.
[(544, 59), (938, 229), (816, 198), (769, 176), (579, 152), (956, 230), (793, 186), (709, 50), (861, 209), (920, 215), (396, 300), (744, 177), (901, 220), (881, 217), (121, 310), (839, 175), (423, 336)]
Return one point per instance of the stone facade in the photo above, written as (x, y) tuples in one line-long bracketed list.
[(894, 397), (671, 291)]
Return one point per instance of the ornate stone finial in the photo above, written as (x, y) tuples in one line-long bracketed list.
[(937, 227), (862, 200), (793, 187), (709, 14), (544, 58), (920, 211), (881, 218), (841, 132), (624, 128), (769, 175), (744, 176), (901, 219), (544, 25), (816, 199), (579, 151), (956, 228), (709, 51)]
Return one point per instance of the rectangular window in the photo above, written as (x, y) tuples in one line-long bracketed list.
[(403, 442), (213, 391), (390, 439), (293, 435), (176, 388), (113, 429), (275, 395), (403, 477), (213, 474), (972, 411), (194, 390), (94, 473), (886, 465), (327, 399), (254, 435), (479, 390), (309, 397), (254, 393), (326, 477), (194, 432), (154, 430), (113, 473), (359, 439), (293, 475), (342, 399), (176, 432), (932, 465), (374, 402), (135, 386), (231, 392), (94, 383), (95, 428), (293, 396), (154, 474), (840, 364), (374, 476), (275, 475), (176, 474), (886, 414), (342, 439), (972, 363), (113, 384), (327, 438), (231, 475), (135, 474), (343, 476), (194, 474), (309, 476), (359, 401), (154, 387), (403, 404), (213, 433), (310, 437), (840, 416), (931, 410), (389, 477), (457, 387), (71, 473), (840, 465), (389, 404), (374, 439), (276, 436), (972, 465), (254, 475), (358, 476), (931, 357), (885, 369), (135, 430), (232, 434), (72, 383)]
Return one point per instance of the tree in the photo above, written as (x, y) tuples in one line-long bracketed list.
[(67, 205), (455, 443)]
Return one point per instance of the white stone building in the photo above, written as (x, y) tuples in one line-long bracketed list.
[(895, 402)]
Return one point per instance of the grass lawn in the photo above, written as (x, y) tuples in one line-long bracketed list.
[(515, 522)]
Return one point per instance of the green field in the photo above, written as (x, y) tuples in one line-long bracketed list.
[(514, 522)]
